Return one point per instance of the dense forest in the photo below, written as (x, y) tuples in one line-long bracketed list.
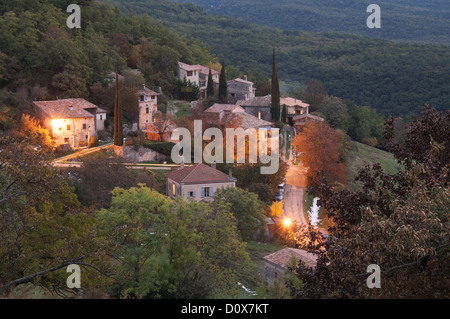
[(394, 78), (40, 58), (425, 21)]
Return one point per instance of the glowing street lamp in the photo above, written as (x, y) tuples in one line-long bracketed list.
[(287, 222)]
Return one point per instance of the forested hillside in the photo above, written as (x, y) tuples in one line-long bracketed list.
[(394, 78), (41, 58), (422, 21)]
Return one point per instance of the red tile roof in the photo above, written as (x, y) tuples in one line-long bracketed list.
[(310, 116), (199, 174), (188, 67), (284, 256), (242, 81), (217, 108), (67, 108), (289, 101), (197, 67)]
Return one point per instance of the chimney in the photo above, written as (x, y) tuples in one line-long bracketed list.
[(213, 164), (230, 174), (245, 77), (143, 85)]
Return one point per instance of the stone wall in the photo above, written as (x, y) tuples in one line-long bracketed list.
[(141, 154)]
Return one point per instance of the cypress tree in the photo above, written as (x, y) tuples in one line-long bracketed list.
[(284, 114), (210, 86), (118, 134), (275, 108), (222, 84)]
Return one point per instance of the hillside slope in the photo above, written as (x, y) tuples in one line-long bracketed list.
[(361, 155), (424, 21), (394, 78)]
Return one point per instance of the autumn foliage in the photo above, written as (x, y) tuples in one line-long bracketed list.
[(317, 146)]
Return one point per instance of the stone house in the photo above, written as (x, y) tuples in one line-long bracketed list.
[(258, 106), (218, 112), (241, 89), (198, 75), (300, 120), (161, 126), (70, 121), (275, 264), (293, 107), (198, 182), (148, 106)]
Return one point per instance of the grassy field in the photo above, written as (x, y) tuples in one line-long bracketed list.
[(361, 155)]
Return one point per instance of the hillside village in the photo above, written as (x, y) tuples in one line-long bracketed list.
[(105, 163), (75, 124)]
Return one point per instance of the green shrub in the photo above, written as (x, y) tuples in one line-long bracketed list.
[(164, 148)]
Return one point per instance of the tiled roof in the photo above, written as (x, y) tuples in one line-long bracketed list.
[(311, 116), (247, 121), (217, 108), (152, 127), (289, 101), (199, 174), (284, 256), (242, 81), (259, 101), (197, 67), (146, 91), (205, 70), (188, 67), (66, 108)]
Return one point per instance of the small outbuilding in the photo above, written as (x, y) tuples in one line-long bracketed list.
[(276, 264)]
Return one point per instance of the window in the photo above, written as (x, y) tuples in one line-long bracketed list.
[(84, 126), (68, 127), (142, 98), (66, 140), (147, 110), (173, 189), (191, 194), (101, 117), (189, 73), (207, 192)]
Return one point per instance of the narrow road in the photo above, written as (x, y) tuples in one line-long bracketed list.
[(293, 194), (82, 153)]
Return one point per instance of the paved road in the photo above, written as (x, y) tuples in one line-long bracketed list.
[(293, 194), (82, 152)]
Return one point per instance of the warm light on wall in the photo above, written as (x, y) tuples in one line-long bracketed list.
[(57, 125)]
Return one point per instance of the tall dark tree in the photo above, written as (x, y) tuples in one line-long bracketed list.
[(284, 114), (210, 86), (118, 134), (275, 108), (223, 84)]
